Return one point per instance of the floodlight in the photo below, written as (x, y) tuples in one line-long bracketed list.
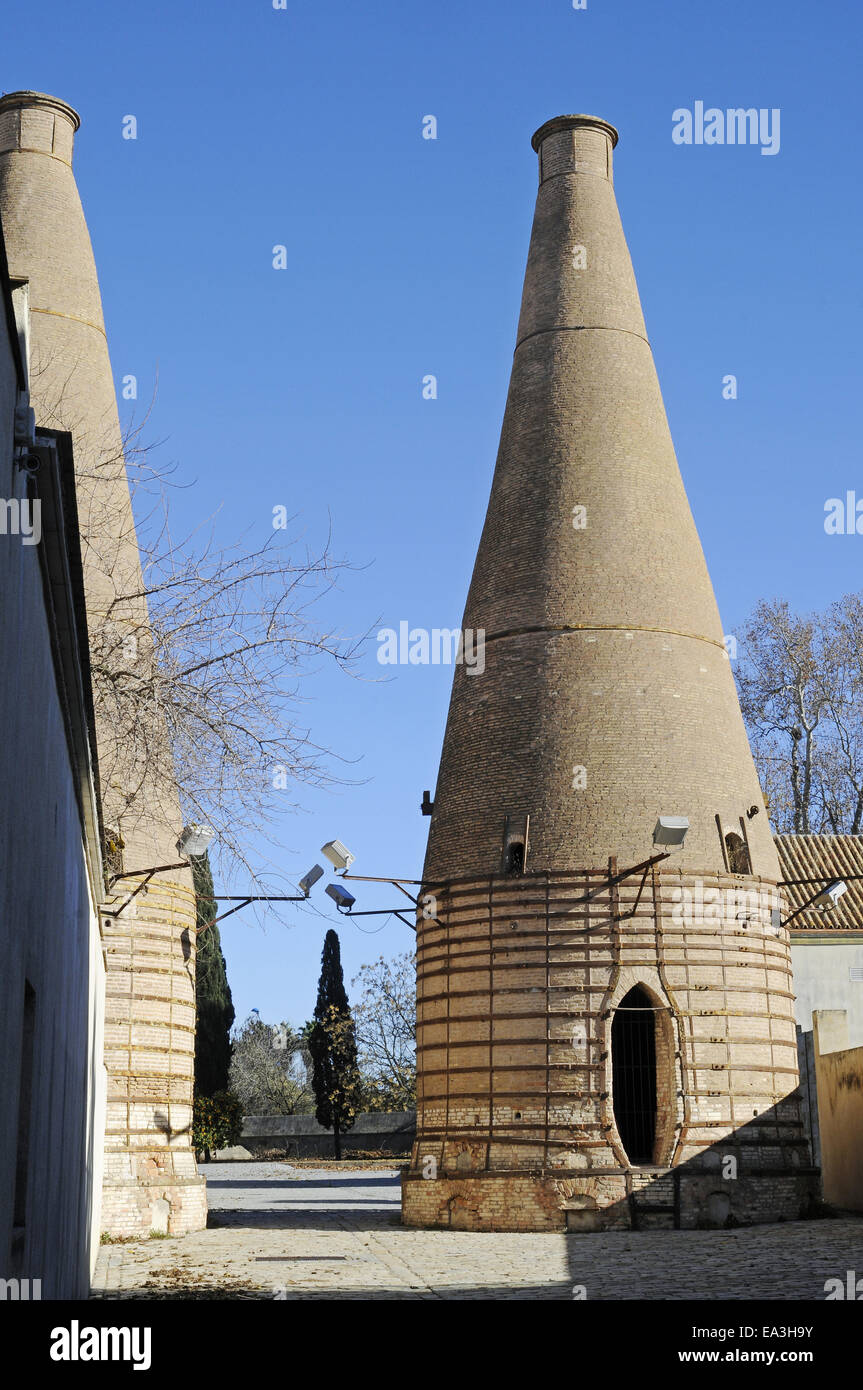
[(340, 896), (194, 840), (308, 881), (670, 831), (830, 896), (339, 856)]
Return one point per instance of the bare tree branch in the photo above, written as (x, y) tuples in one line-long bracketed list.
[(801, 691)]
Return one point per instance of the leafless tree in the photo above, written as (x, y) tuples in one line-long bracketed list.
[(271, 1069), (229, 641), (200, 651), (385, 1019), (800, 681)]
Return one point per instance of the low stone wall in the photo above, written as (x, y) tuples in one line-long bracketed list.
[(300, 1136), (681, 1198)]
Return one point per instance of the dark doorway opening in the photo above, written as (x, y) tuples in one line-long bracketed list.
[(738, 854), (514, 858), (633, 1061)]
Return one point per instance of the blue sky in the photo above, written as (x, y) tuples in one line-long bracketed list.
[(405, 257)]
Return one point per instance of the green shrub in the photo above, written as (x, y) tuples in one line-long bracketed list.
[(217, 1122)]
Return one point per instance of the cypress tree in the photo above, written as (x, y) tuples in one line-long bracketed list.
[(333, 1047), (215, 1008)]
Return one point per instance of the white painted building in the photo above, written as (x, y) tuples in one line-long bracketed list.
[(52, 1076)]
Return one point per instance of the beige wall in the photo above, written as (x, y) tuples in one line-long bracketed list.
[(839, 1079)]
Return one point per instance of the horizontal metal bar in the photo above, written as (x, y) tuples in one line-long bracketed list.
[(374, 911), (252, 898), (364, 878), (680, 987), (501, 1067), (822, 878), (156, 869)]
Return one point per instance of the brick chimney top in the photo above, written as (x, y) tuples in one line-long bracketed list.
[(35, 122), (575, 145), (558, 123), (12, 101)]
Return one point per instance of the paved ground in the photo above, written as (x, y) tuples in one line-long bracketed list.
[(291, 1233)]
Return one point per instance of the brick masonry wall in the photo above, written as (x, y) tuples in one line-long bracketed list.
[(539, 1202), (604, 647), (606, 699), (151, 1180), (518, 982)]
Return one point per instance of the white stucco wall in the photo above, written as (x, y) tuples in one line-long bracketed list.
[(49, 933), (821, 973), (822, 980)]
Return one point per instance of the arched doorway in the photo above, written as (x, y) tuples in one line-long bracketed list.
[(633, 1063)]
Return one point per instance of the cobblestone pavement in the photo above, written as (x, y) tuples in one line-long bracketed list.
[(291, 1233)]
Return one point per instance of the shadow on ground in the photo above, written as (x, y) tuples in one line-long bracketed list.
[(312, 1235)]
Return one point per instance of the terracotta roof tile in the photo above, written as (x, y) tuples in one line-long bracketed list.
[(823, 857)]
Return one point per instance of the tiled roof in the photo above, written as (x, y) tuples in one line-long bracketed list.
[(823, 857)]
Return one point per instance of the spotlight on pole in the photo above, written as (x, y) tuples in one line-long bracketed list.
[(340, 896), (194, 840), (339, 856), (829, 898), (670, 831), (308, 881)]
